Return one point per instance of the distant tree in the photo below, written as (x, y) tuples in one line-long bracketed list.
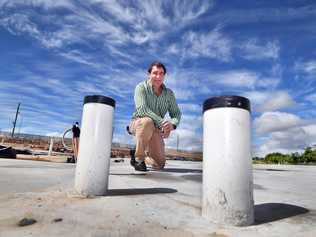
[(295, 158), (257, 158), (273, 158), (309, 155), (278, 158)]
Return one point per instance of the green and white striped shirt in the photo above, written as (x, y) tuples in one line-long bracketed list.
[(148, 104)]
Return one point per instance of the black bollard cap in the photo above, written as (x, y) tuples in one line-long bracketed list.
[(99, 99), (226, 101)]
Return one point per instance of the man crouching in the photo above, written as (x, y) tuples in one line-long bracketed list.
[(152, 101)]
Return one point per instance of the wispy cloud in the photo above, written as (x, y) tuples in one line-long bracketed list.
[(190, 108), (268, 82), (238, 78), (21, 24), (311, 98), (308, 68), (107, 23), (77, 56), (213, 44), (46, 4), (265, 14), (186, 11), (255, 50)]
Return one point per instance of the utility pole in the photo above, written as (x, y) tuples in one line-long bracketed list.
[(16, 117)]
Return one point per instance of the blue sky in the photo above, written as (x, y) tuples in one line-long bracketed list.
[(55, 52)]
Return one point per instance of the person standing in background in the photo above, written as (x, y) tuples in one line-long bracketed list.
[(75, 139)]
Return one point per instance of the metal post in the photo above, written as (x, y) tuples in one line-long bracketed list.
[(16, 117)]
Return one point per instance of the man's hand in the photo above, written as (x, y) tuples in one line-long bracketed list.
[(166, 128)]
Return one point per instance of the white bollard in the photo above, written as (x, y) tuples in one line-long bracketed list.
[(227, 163), (92, 171)]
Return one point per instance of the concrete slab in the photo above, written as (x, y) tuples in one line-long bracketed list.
[(156, 203)]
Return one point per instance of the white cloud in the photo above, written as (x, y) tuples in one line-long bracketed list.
[(141, 13), (268, 82), (153, 9), (277, 101), (46, 4), (267, 15), (307, 67), (54, 134), (87, 87), (264, 101), (257, 97), (188, 107), (187, 139), (175, 81), (187, 133), (311, 98), (115, 25), (174, 49), (276, 121), (122, 13), (253, 49), (311, 131), (186, 10), (183, 94), (241, 79), (123, 139), (211, 45), (21, 24), (139, 17), (79, 57), (288, 141)]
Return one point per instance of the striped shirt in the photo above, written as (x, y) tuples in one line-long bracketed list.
[(148, 104)]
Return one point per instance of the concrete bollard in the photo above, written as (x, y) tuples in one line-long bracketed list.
[(92, 171), (227, 163)]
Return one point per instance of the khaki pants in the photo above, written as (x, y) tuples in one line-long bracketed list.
[(149, 142)]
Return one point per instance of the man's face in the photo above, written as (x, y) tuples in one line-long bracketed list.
[(157, 76)]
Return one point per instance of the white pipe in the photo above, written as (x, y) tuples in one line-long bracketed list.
[(227, 164), (93, 163), (63, 139)]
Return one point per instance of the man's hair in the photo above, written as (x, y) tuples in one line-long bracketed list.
[(158, 65)]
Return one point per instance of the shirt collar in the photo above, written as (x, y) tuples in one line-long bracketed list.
[(151, 87)]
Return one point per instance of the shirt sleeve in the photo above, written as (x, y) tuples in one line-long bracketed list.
[(174, 111), (142, 108)]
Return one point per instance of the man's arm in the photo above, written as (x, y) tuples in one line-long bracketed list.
[(174, 111), (175, 115)]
